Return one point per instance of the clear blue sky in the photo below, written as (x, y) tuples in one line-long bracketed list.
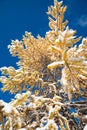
[(18, 16)]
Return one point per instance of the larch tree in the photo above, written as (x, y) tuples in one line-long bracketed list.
[(52, 72)]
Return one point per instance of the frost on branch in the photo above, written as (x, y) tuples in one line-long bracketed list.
[(52, 72)]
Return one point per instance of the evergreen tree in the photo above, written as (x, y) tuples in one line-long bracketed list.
[(52, 72)]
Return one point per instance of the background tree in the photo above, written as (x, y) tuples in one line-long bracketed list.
[(51, 74)]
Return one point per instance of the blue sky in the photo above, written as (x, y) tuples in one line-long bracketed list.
[(18, 16)]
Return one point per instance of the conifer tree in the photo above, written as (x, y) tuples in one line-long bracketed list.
[(52, 72)]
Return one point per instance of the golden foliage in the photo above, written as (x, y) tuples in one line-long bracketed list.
[(43, 63)]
